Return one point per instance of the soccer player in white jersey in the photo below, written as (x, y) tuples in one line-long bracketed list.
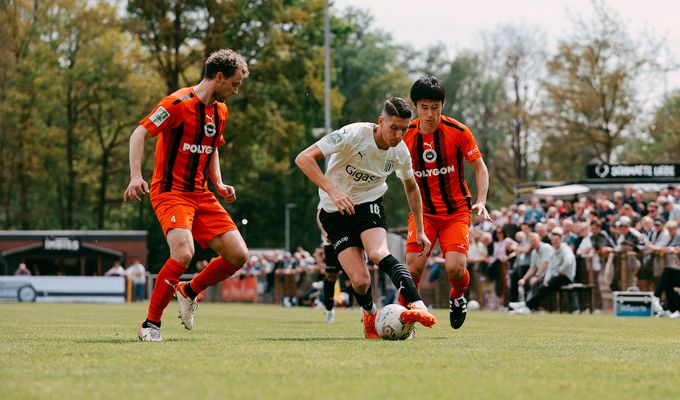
[(362, 155)]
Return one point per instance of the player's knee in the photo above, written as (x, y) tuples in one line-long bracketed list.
[(183, 256), (377, 255), (237, 258), (362, 285)]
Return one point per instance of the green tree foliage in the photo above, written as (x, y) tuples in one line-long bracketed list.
[(590, 105), (661, 141)]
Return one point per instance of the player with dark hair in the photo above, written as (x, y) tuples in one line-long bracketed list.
[(438, 145), (189, 125), (361, 156)]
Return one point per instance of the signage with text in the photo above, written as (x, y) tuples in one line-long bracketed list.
[(61, 244), (614, 171)]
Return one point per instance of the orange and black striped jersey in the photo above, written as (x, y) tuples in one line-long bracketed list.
[(437, 159), (188, 134)]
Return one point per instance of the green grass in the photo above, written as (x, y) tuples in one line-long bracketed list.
[(267, 352)]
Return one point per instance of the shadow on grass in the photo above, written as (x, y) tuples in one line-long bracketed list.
[(334, 339), (125, 340)]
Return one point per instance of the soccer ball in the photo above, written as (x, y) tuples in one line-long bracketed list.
[(388, 324)]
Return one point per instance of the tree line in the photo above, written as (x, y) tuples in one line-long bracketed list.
[(79, 75)]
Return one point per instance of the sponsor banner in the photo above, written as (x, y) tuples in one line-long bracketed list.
[(619, 171), (240, 289), (51, 289)]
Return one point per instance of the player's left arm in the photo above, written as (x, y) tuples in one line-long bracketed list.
[(482, 179), (415, 203), (226, 191)]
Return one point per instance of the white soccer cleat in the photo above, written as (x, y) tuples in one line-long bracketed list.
[(521, 311), (187, 306), (151, 333), (330, 316), (676, 314), (515, 305)]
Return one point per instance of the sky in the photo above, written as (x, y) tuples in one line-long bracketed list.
[(458, 24)]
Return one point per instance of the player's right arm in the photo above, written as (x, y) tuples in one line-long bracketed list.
[(307, 162), (138, 186)]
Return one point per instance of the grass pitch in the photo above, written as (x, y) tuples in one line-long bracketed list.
[(267, 352)]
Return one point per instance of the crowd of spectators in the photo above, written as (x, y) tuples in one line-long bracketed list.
[(532, 248), (542, 240)]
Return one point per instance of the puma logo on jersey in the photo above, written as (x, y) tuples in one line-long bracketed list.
[(435, 171), (197, 148)]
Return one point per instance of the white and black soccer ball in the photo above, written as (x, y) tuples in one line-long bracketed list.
[(388, 324)]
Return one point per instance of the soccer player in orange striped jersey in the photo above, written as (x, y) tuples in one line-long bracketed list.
[(438, 145), (188, 125)]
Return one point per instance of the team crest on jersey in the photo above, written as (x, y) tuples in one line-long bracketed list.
[(429, 155), (159, 116), (389, 164), (210, 129), (334, 138)]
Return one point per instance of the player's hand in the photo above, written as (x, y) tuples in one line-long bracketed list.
[(342, 200), (521, 282), (481, 210), (226, 191), (424, 244), (136, 190)]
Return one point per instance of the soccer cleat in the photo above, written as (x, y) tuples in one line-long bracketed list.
[(187, 306), (516, 305), (150, 333), (330, 316), (420, 315), (521, 311), (457, 312), (369, 323)]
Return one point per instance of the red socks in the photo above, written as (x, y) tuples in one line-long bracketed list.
[(217, 271), (162, 291), (459, 286)]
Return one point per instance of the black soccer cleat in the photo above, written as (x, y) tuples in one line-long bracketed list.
[(457, 312)]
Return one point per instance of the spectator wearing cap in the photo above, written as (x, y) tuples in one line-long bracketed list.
[(672, 210), (629, 238), (561, 271), (627, 211)]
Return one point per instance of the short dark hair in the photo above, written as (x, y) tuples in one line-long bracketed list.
[(428, 88), (226, 61), (397, 107)]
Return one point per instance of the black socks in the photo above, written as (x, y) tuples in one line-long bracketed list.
[(365, 300), (401, 278), (328, 289)]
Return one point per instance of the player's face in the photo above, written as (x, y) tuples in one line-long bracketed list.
[(227, 87), (429, 112), (393, 129)]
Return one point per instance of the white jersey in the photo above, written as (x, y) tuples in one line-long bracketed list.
[(358, 167)]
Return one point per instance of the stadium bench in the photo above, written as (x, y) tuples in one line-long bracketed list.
[(571, 290)]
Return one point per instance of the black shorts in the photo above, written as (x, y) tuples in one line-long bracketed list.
[(344, 231), (332, 263)]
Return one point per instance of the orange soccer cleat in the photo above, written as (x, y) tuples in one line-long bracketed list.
[(420, 315), (369, 324)]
